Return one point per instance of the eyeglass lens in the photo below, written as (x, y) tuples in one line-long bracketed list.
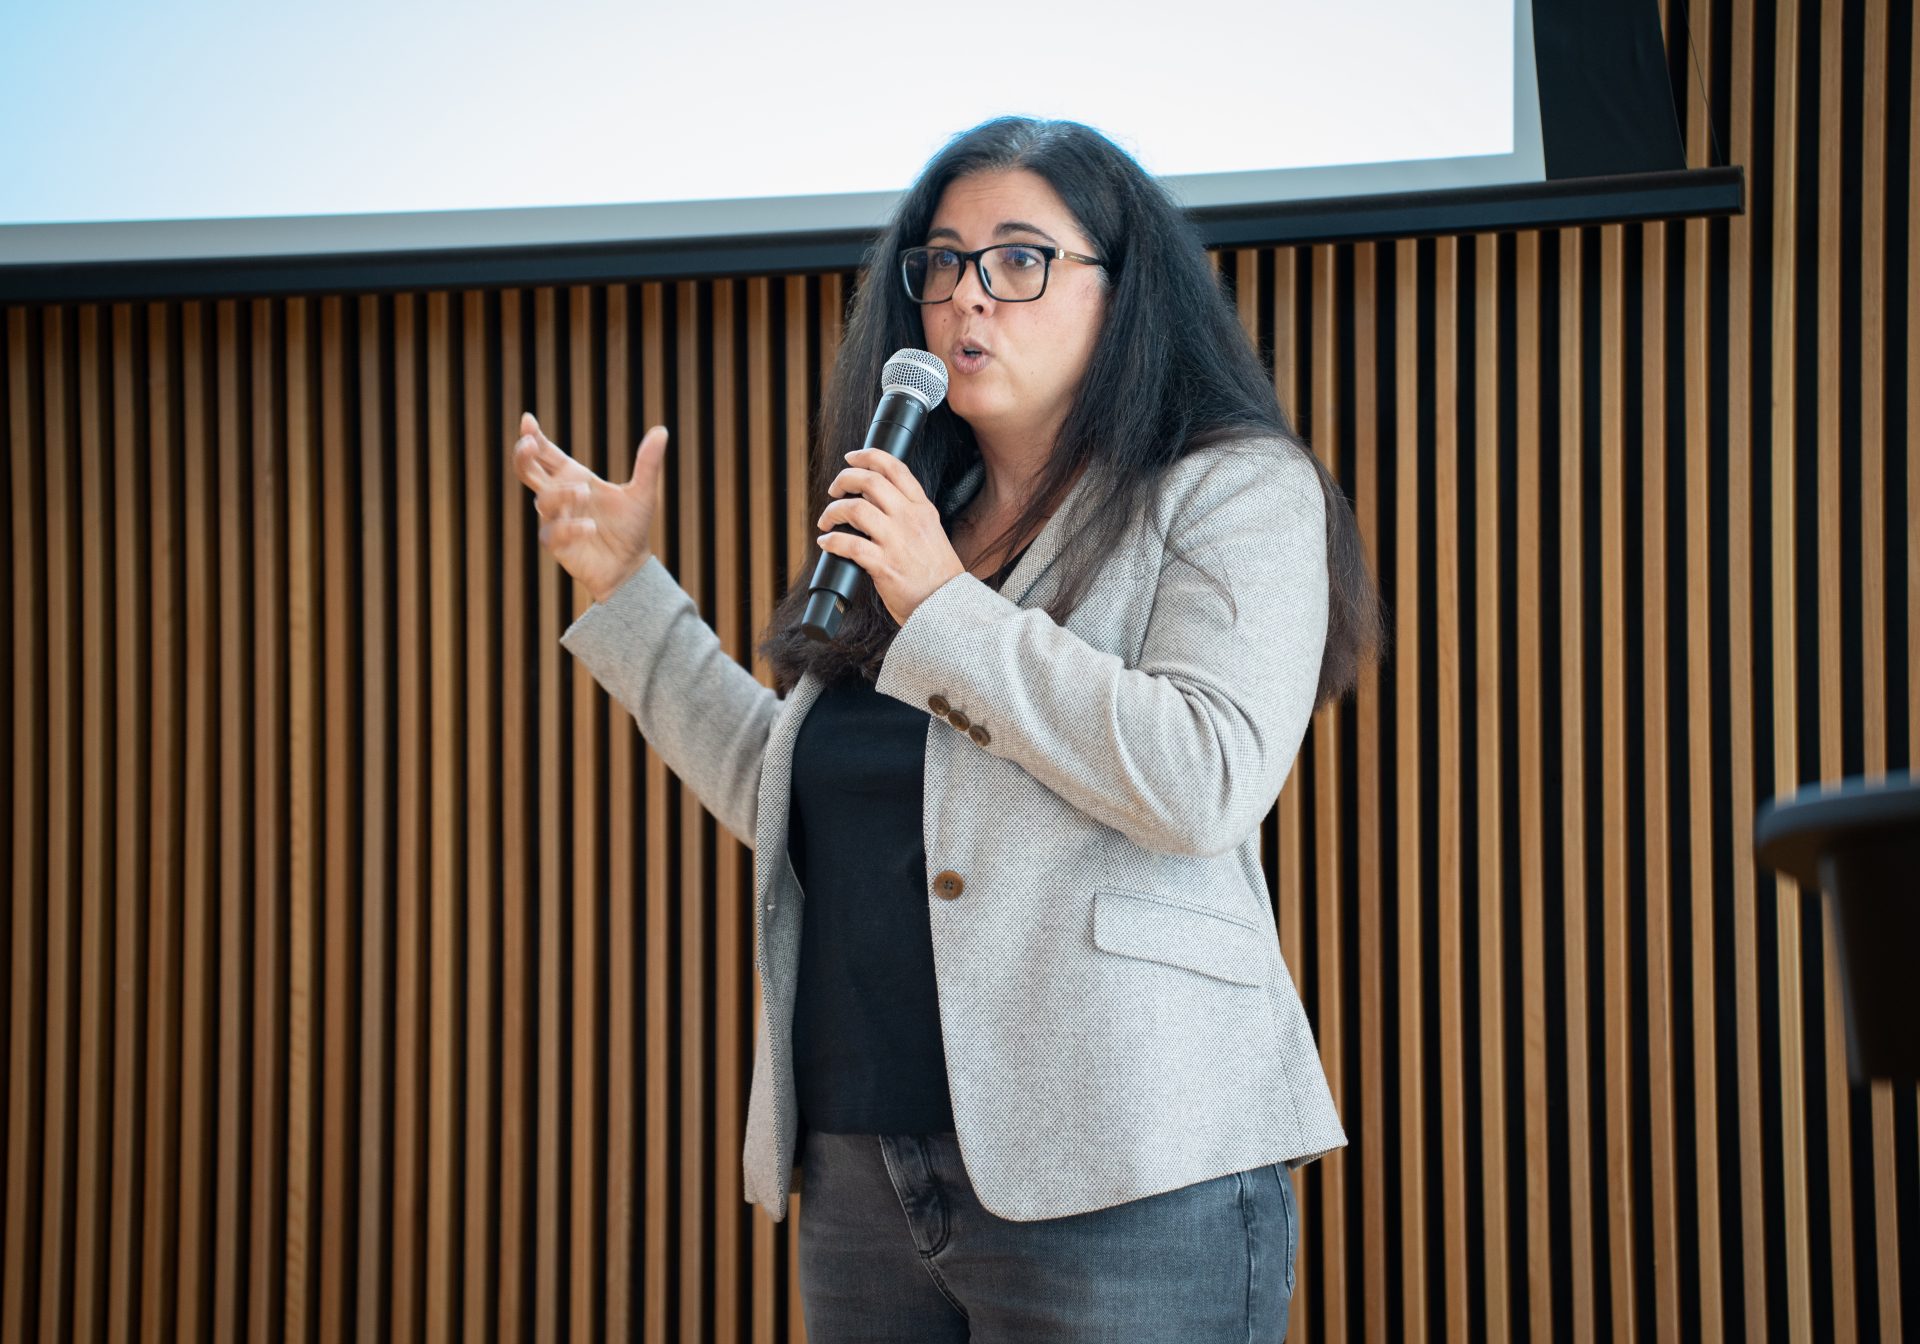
[(1009, 271)]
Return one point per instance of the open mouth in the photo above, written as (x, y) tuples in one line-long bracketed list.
[(969, 358)]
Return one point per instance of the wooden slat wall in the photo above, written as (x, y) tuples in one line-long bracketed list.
[(367, 977)]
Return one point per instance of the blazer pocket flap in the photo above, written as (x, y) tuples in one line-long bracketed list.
[(1177, 935)]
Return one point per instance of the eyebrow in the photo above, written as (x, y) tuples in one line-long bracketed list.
[(1000, 231)]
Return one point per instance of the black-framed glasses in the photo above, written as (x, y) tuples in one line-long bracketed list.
[(1017, 273)]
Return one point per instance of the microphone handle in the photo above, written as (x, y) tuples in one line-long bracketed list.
[(836, 580)]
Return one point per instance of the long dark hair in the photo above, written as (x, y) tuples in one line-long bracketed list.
[(1172, 371)]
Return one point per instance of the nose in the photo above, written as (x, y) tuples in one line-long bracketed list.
[(976, 299)]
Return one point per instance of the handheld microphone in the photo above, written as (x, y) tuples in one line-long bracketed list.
[(911, 385)]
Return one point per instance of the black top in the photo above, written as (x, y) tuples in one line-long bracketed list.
[(867, 1050)]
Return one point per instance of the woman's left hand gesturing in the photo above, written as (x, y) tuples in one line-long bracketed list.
[(905, 551)]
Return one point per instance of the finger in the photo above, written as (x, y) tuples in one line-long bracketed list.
[(857, 549), (566, 531), (871, 484), (548, 453), (649, 458), (540, 455), (856, 512), (530, 427), (891, 467), (527, 466), (561, 501), (859, 481)]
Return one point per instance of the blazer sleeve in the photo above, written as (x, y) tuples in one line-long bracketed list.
[(706, 715), (1185, 751)]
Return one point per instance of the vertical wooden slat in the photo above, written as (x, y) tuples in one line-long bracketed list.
[(1246, 290), (1411, 898), (1369, 775), (1572, 789), (1656, 735), (624, 848), (658, 1242), (1664, 1086), (57, 1139), (518, 1138), (302, 618), (1872, 249), (1703, 686), (166, 1085), (236, 849), (1837, 1098), (445, 775), (795, 423), (1843, 1328), (550, 684), (1616, 985), (133, 734), (1490, 629), (91, 1121), (266, 1264), (488, 430), (191, 914), (798, 425), (583, 843), (341, 912), (1873, 566), (694, 1233), (379, 849), (1784, 445), (1530, 776), (1329, 876), (28, 866), (733, 882), (487, 438), (1448, 876), (1828, 393), (409, 1267), (1740, 701), (833, 313)]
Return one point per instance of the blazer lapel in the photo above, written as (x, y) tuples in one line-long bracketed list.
[(776, 781), (1046, 547)]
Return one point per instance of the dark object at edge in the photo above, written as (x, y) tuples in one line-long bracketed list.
[(1860, 843)]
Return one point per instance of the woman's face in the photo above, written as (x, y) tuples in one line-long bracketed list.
[(1031, 356)]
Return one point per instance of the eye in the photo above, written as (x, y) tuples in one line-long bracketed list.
[(1020, 258), (943, 259)]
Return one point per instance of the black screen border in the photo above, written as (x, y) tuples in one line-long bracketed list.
[(1619, 199)]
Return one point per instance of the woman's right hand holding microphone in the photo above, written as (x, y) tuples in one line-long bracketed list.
[(598, 531)]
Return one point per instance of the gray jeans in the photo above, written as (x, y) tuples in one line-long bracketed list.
[(896, 1249)]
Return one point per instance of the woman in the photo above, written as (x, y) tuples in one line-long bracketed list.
[(1027, 1035)]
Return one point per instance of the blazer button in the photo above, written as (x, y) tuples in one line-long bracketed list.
[(959, 720), (949, 884), (938, 704), (979, 735)]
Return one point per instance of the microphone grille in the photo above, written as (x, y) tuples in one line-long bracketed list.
[(919, 372)]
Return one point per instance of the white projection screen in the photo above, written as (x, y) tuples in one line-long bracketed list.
[(214, 129)]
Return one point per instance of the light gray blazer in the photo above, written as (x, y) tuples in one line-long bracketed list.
[(1116, 1016)]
